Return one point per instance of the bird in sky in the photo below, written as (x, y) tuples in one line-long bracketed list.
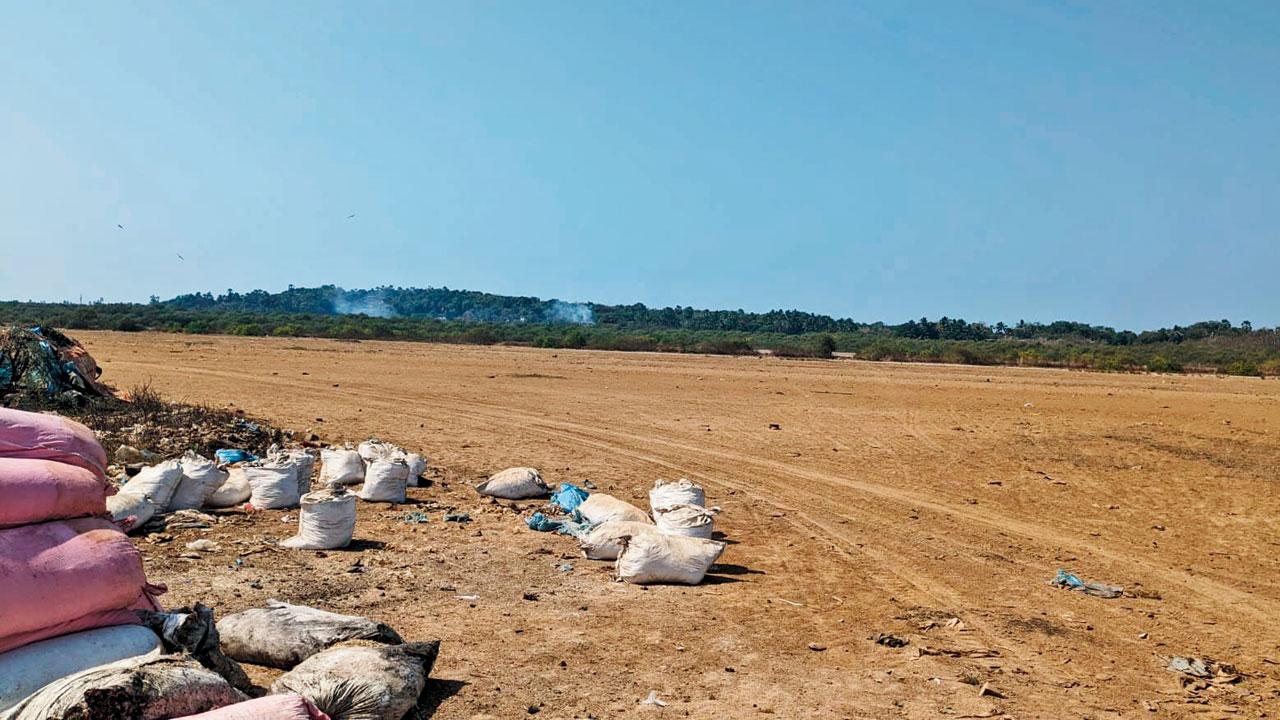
[(180, 256), (351, 216), (119, 226)]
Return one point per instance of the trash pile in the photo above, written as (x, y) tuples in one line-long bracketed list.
[(673, 545), (82, 635), (45, 362), (281, 479)]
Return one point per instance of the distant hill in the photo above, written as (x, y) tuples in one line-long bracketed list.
[(466, 316)]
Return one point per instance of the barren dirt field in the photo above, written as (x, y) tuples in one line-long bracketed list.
[(930, 502)]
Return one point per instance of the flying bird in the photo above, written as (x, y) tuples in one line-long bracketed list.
[(180, 256), (119, 226), (351, 216)]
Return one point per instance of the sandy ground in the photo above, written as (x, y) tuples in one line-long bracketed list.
[(892, 499)]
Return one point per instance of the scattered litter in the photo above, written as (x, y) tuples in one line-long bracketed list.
[(417, 517), (188, 520), (568, 497), (203, 545), (989, 691), (1207, 669), (1066, 580), (957, 653), (457, 517), (530, 596), (775, 426), (817, 647), (565, 567), (888, 640), (469, 598), (571, 527), (654, 700)]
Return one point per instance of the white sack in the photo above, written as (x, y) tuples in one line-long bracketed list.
[(306, 463), (281, 635), (604, 541), (157, 482), (235, 491), (656, 558), (385, 481), (144, 688), (344, 467), (601, 508), (375, 449), (122, 505), (516, 483), (363, 683), (417, 466), (273, 485), (681, 492), (687, 520), (31, 667), (200, 479), (326, 520)]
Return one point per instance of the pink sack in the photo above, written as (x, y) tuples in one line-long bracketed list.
[(35, 491), (68, 575), (271, 707), (50, 437)]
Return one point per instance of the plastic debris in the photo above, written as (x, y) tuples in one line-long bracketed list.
[(457, 517), (568, 497), (654, 700), (417, 517), (568, 526), (1206, 669), (1066, 580), (227, 456), (888, 640), (566, 567)]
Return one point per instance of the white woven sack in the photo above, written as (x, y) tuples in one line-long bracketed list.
[(385, 481), (681, 492), (344, 467), (326, 520), (656, 558), (602, 508)]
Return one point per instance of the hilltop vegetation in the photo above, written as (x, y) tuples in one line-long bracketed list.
[(445, 315)]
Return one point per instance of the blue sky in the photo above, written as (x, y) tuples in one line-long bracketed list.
[(1116, 163)]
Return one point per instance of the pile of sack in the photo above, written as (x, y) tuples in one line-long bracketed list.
[(281, 480), (81, 633), (71, 579), (671, 544)]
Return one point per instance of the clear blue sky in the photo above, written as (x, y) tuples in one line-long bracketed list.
[(1108, 162)]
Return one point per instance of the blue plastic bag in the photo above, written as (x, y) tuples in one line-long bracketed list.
[(226, 456), (568, 497)]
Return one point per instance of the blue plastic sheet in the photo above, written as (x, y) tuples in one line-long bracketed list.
[(226, 456), (568, 497), (567, 526), (1069, 581)]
